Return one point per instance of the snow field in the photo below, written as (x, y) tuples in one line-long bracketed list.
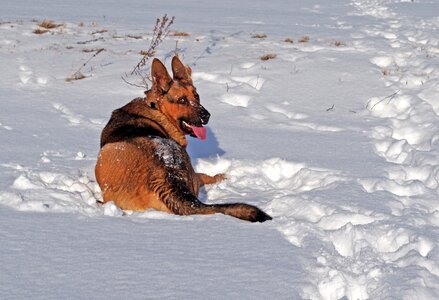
[(337, 143)]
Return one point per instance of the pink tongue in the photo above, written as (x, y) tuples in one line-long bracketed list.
[(200, 132)]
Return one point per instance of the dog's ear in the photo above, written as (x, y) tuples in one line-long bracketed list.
[(189, 71), (160, 76), (179, 71)]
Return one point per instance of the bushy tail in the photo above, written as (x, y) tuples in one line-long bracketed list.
[(241, 211), (180, 200)]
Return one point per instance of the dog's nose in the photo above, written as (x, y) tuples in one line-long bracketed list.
[(204, 115)]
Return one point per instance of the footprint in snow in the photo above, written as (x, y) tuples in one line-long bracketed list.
[(388, 35), (300, 116), (5, 126), (74, 118), (382, 61), (44, 191), (247, 65), (215, 78), (66, 113), (282, 111), (255, 82), (47, 156), (236, 99), (27, 76)]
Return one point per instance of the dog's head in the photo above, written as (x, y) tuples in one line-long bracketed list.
[(177, 98)]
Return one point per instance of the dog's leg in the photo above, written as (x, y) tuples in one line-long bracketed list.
[(181, 201), (206, 179)]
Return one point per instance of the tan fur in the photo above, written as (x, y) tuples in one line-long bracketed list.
[(143, 163)]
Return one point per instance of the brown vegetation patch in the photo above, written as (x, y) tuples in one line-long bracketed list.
[(304, 39), (147, 53), (48, 24), (180, 33), (40, 31), (288, 40), (103, 30), (88, 50), (259, 36), (76, 76), (267, 56)]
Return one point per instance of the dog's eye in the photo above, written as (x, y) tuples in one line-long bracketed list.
[(182, 100)]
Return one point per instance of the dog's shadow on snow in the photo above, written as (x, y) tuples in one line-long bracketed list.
[(203, 149)]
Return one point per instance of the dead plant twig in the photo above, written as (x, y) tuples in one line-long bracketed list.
[(390, 97), (176, 48), (90, 41), (132, 84), (331, 108), (77, 75), (161, 30)]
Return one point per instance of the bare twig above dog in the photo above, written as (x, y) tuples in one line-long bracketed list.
[(160, 32)]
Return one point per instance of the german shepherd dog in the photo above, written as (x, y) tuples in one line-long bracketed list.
[(143, 162)]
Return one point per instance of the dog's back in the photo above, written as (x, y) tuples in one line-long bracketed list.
[(137, 154)]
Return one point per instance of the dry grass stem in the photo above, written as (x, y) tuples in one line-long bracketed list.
[(160, 32), (77, 75), (388, 98), (88, 50), (90, 41), (134, 36), (103, 30)]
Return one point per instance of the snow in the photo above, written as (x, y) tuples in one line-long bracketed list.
[(73, 256), (336, 138), (168, 153)]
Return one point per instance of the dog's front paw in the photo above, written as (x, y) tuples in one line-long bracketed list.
[(206, 179), (219, 177)]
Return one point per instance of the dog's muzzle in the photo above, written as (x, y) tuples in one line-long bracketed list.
[(204, 115)]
